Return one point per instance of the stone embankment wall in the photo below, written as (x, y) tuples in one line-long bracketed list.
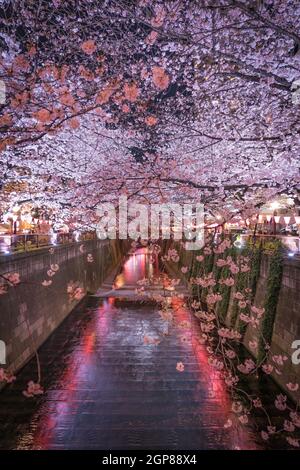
[(286, 326), (275, 281), (30, 311)]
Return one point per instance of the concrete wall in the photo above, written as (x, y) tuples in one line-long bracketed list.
[(287, 321), (30, 312)]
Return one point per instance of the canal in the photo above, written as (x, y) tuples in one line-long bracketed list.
[(118, 374)]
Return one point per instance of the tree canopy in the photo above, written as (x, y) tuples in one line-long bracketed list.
[(161, 100)]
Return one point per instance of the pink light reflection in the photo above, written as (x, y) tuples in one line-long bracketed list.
[(74, 376)]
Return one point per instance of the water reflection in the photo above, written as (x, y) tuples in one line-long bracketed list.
[(108, 388), (139, 265)]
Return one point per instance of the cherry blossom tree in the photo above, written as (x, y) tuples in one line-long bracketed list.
[(167, 99)]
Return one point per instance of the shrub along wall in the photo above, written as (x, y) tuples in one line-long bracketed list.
[(278, 290), (275, 284)]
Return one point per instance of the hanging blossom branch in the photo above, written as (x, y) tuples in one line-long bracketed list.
[(222, 342), (172, 93)]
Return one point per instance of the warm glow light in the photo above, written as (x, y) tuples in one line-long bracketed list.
[(7, 216), (119, 281), (275, 205), (54, 238), (7, 241)]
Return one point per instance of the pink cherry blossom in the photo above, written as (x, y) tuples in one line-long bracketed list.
[(33, 389), (234, 269), (151, 120), (295, 417), (43, 115), (288, 426), (88, 46), (267, 368), (228, 424), (6, 376), (244, 419), (279, 359), (237, 407), (160, 79), (280, 402), (253, 345), (229, 333), (180, 366), (264, 435), (151, 38), (227, 282), (245, 318), (230, 353), (54, 267), (3, 289), (257, 403), (231, 380), (13, 278), (215, 363), (131, 92), (239, 296), (247, 366), (293, 442), (212, 299)]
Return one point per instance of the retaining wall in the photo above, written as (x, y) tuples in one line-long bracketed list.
[(29, 311)]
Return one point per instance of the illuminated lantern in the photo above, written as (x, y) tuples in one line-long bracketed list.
[(7, 216), (297, 219), (277, 219), (287, 220), (260, 219), (275, 205), (269, 218)]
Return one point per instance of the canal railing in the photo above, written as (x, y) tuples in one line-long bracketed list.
[(291, 243), (33, 241)]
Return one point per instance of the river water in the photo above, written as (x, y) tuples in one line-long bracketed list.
[(110, 379)]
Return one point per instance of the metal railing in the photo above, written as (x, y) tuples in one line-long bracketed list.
[(33, 241), (292, 243)]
